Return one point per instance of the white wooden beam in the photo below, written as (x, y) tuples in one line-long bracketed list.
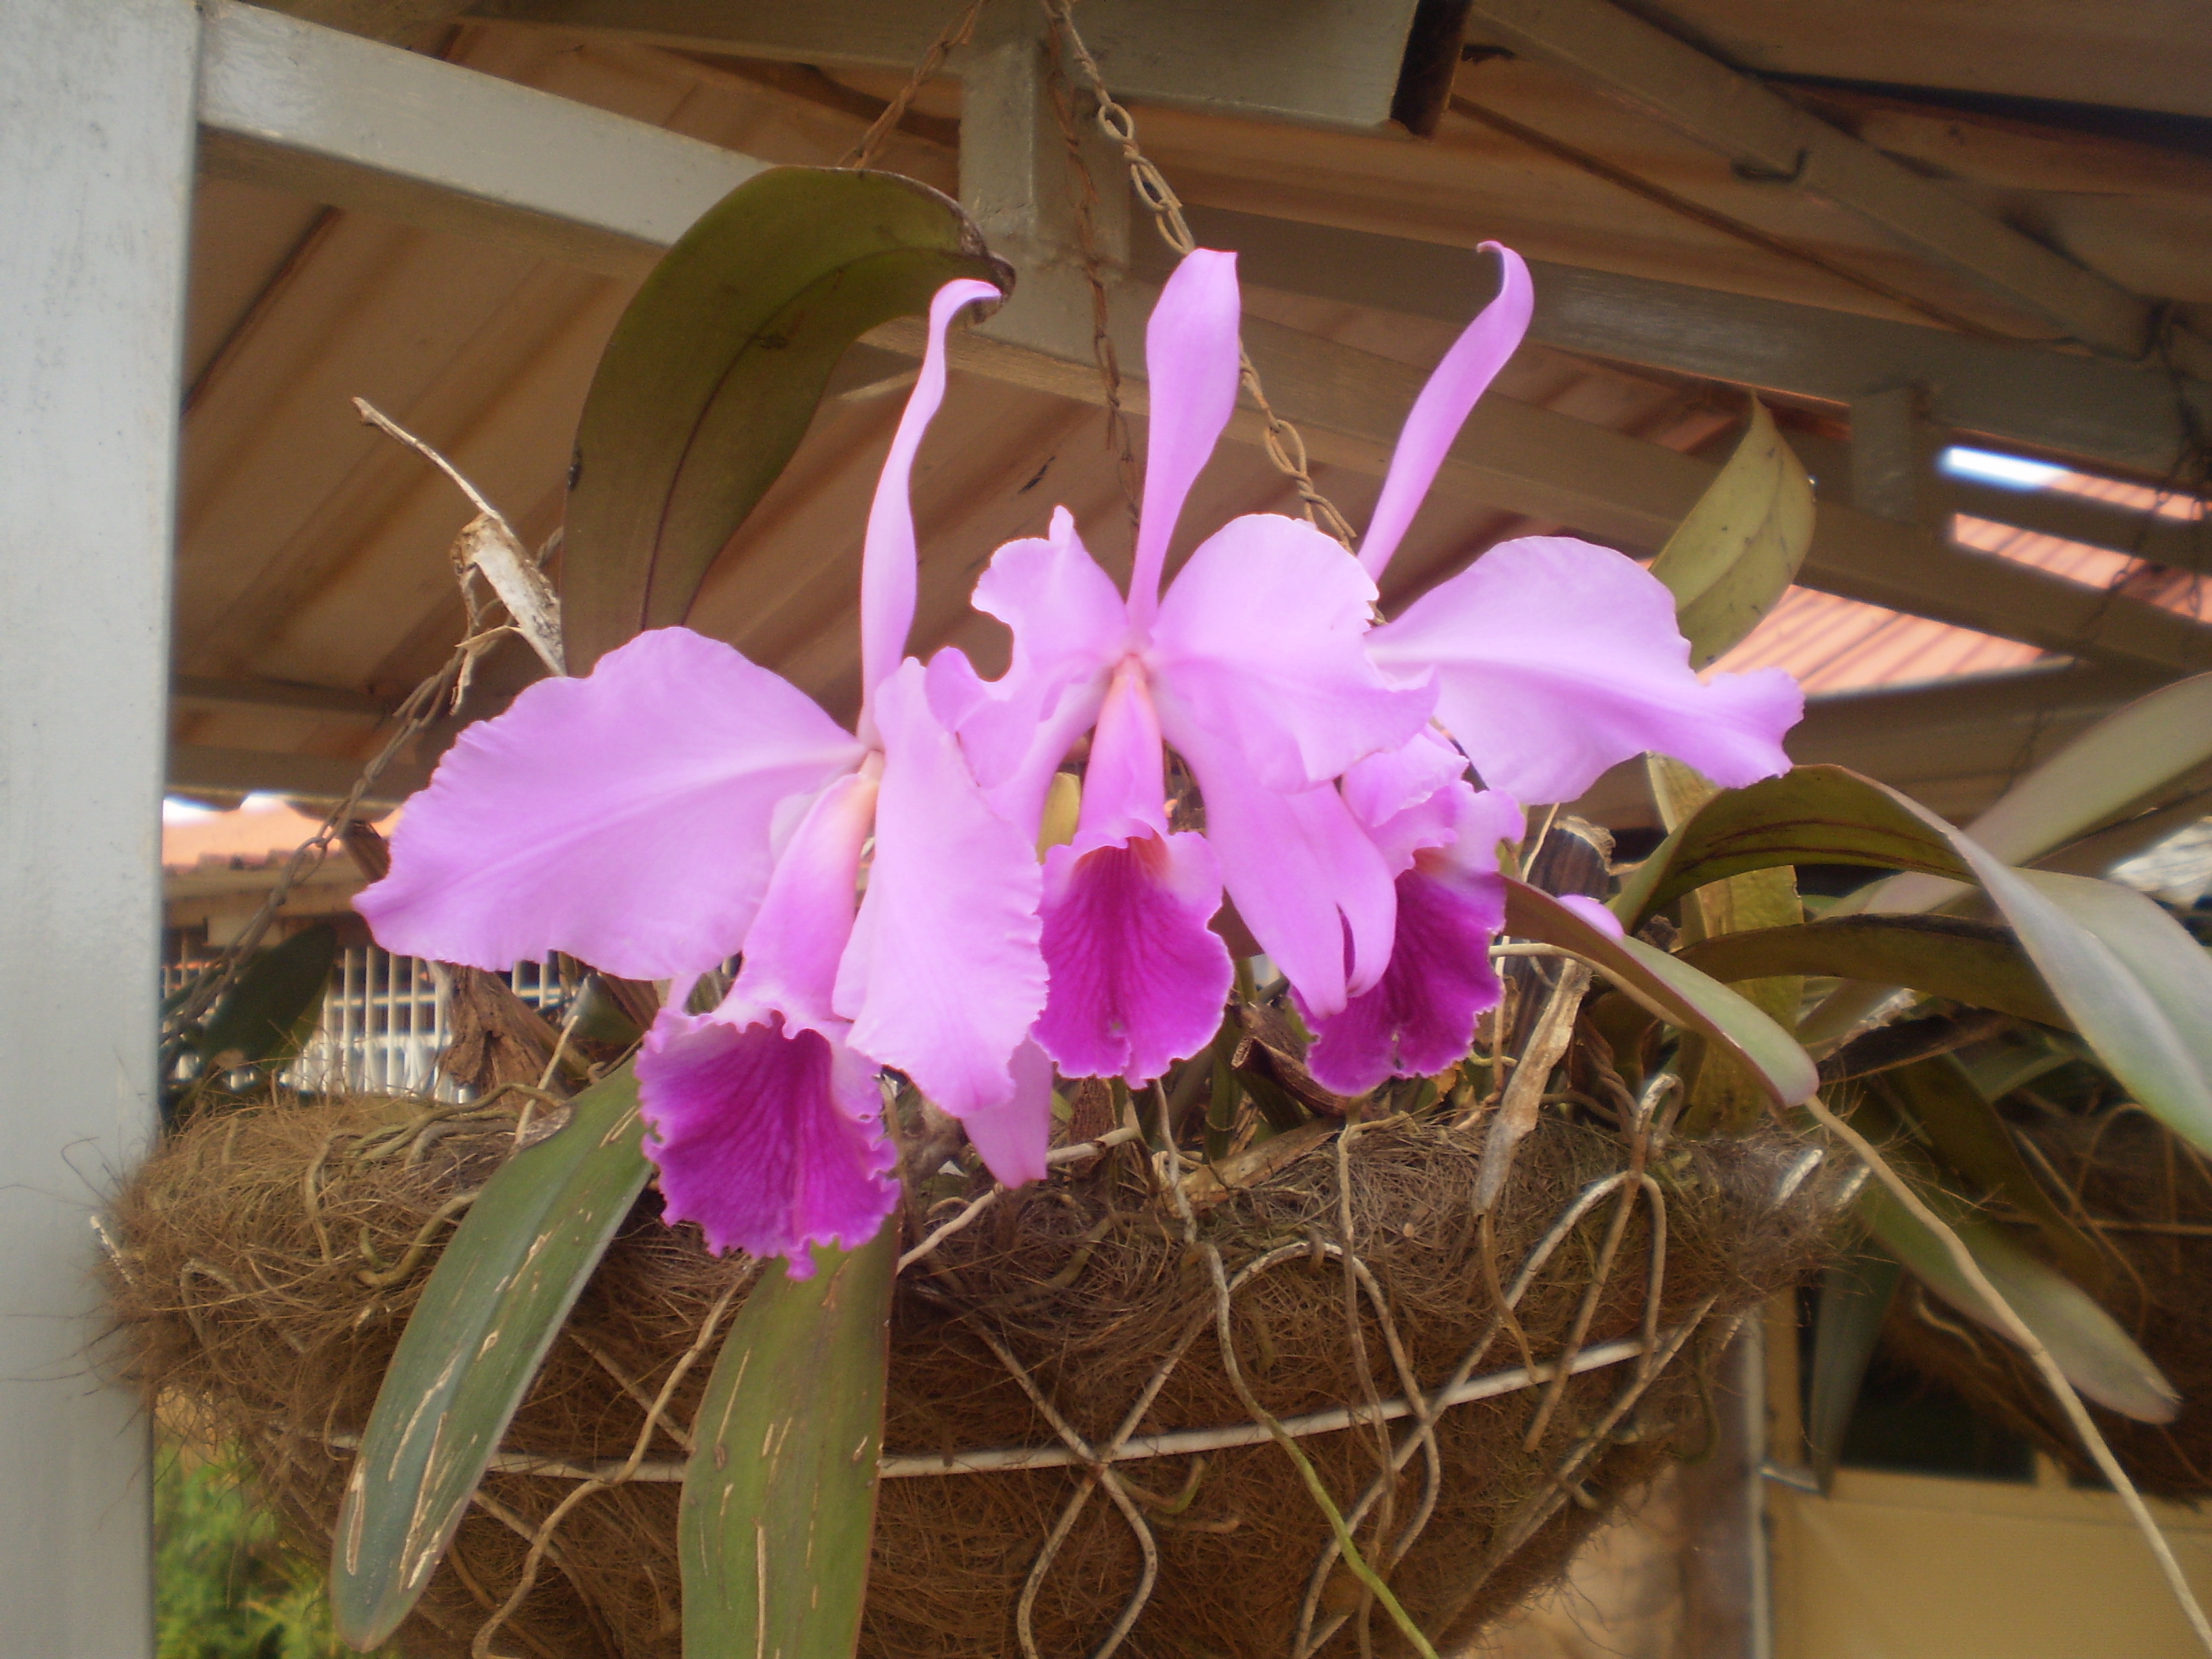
[(1319, 63), (1769, 137), (2097, 409), (345, 121), (96, 126)]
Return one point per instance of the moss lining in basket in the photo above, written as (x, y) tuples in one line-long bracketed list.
[(1357, 1279)]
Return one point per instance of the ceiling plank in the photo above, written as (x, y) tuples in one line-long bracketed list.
[(2095, 409), (304, 777), (299, 107), (1317, 63), (325, 700), (1767, 135)]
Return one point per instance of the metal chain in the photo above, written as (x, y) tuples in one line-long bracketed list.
[(956, 33), (1284, 445)]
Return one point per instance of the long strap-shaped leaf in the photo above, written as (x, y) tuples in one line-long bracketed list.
[(500, 1292), (1671, 988), (2126, 975), (780, 1497), (715, 371)]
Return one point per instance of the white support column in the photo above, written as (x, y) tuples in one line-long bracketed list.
[(96, 137)]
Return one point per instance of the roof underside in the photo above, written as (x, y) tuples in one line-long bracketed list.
[(314, 553)]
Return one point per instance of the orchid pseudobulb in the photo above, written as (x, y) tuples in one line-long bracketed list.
[(680, 804)]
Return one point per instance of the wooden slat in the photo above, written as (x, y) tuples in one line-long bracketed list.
[(304, 777), (2099, 410), (1764, 133), (1320, 63)]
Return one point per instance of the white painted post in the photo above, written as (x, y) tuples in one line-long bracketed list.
[(96, 138)]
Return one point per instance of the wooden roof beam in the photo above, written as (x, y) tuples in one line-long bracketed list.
[(215, 770), (1316, 62), (1767, 137), (2096, 408)]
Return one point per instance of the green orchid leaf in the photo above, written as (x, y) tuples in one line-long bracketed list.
[(1963, 1131), (493, 1305), (271, 1007), (780, 1497), (714, 372), (1809, 814), (1671, 988), (2097, 1356), (1855, 1297), (2123, 763), (1975, 963), (1736, 553)]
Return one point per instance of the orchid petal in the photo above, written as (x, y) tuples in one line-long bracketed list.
[(623, 817), (794, 946), (1461, 378), (1416, 797), (1304, 874), (1420, 1017), (942, 978), (1069, 626), (768, 1138), (1261, 644), (1138, 979), (1555, 660), (888, 559), (1192, 361), (1011, 1139)]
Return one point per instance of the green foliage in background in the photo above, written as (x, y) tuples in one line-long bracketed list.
[(226, 1585)]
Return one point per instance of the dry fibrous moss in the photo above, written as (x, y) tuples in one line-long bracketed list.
[(263, 1279), (2147, 1198)]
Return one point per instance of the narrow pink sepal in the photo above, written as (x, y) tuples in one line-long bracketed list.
[(770, 1139), (1138, 979), (942, 978), (889, 558), (1262, 644), (1556, 659), (1191, 362), (1458, 381), (1420, 1017), (1070, 627), (623, 817), (1011, 1138)]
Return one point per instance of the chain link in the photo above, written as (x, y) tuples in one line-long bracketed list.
[(1284, 445)]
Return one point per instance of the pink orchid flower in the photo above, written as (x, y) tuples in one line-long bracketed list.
[(681, 804), (1252, 666), (1551, 659)]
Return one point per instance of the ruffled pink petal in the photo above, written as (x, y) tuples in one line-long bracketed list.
[(1416, 797), (1306, 879), (1555, 660), (1191, 364), (888, 559), (1438, 413), (1261, 644), (942, 978), (1138, 979), (623, 817), (793, 948), (1420, 1017), (768, 1138), (1011, 1138), (1070, 627)]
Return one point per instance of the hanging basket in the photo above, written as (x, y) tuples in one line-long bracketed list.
[(2146, 1198), (1070, 1467)]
